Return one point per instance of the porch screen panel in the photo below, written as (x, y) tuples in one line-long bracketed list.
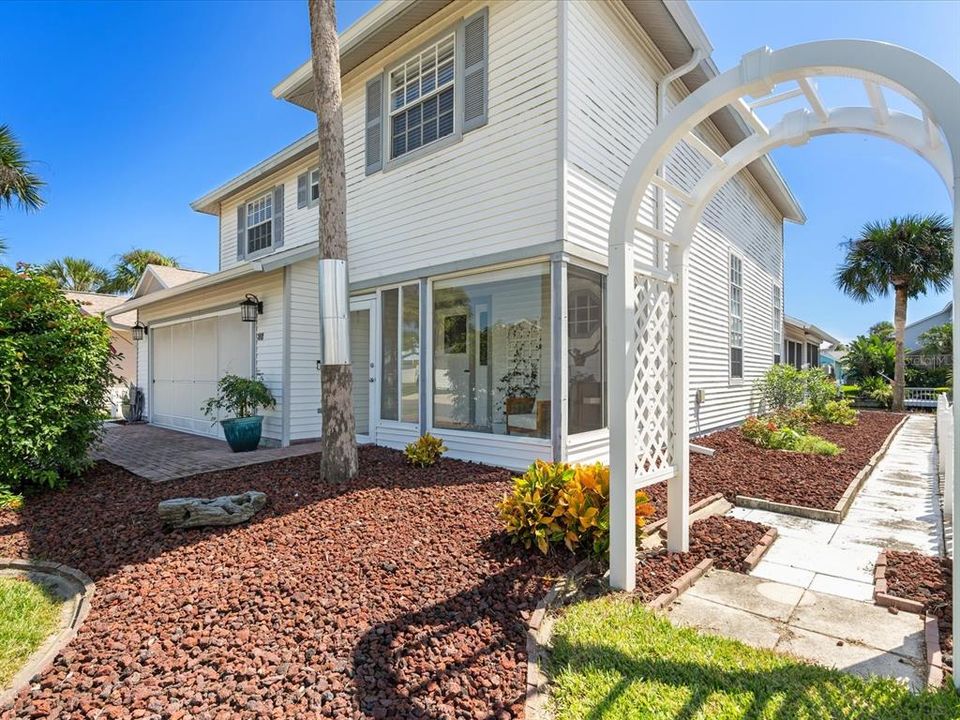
[(491, 352), (410, 354), (389, 354)]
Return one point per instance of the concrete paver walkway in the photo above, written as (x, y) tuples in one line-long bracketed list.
[(812, 593), (159, 454)]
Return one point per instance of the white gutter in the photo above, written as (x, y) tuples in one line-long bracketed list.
[(663, 87)]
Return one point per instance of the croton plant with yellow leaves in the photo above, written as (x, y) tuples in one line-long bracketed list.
[(553, 503)]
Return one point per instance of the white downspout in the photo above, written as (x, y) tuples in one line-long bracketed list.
[(663, 87)]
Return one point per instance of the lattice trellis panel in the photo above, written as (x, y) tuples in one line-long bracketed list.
[(652, 391)]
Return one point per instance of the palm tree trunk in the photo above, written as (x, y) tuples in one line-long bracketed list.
[(899, 327), (338, 445)]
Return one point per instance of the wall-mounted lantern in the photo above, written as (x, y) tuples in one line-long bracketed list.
[(139, 331), (250, 308)]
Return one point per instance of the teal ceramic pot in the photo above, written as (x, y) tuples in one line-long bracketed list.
[(243, 434)]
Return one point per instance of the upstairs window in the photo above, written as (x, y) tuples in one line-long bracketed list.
[(736, 317), (314, 186), (777, 324), (422, 98), (260, 223)]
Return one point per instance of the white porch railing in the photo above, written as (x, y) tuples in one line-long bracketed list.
[(945, 451), (919, 397)]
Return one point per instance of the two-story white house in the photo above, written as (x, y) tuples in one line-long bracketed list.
[(485, 140)]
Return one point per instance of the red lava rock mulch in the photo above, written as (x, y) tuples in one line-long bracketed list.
[(726, 539), (392, 596), (741, 468), (926, 579)]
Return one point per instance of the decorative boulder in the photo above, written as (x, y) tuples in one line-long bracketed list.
[(197, 512)]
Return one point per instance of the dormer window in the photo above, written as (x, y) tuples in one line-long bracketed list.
[(260, 223)]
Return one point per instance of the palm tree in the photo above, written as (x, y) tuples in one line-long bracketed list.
[(910, 254), (338, 460), (130, 266), (78, 274), (17, 182)]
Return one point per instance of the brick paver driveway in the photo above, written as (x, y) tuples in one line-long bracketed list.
[(158, 454)]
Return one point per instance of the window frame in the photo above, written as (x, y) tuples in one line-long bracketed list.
[(777, 323), (731, 318), (585, 266), (381, 369), (311, 200), (390, 162), (268, 196)]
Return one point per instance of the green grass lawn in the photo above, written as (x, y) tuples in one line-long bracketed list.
[(28, 614), (612, 658)]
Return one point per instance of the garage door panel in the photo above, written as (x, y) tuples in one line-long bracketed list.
[(188, 359), (234, 345)]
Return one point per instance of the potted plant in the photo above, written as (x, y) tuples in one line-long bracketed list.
[(521, 383), (240, 397)]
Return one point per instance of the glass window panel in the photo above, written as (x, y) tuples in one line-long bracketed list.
[(491, 352), (410, 355), (446, 100), (586, 351), (389, 355), (445, 125), (430, 132)]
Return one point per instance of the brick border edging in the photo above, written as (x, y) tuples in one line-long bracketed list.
[(539, 631), (931, 635), (657, 525), (843, 505), (880, 595), (681, 585), (755, 555), (931, 629), (75, 610)]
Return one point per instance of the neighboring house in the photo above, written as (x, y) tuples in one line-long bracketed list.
[(832, 360), (913, 331), (803, 341), (120, 338), (484, 145)]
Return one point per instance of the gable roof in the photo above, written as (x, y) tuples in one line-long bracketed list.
[(162, 277), (947, 310), (99, 303)]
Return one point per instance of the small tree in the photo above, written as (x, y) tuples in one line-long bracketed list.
[(909, 255), (937, 340), (882, 329), (55, 373), (77, 274), (869, 357), (130, 266)]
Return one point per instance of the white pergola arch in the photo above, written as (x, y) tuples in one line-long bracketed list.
[(649, 434)]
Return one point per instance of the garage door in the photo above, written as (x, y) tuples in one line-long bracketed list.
[(189, 358)]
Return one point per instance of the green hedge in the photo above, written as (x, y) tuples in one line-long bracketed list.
[(55, 371)]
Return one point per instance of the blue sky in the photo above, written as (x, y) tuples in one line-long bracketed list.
[(134, 109)]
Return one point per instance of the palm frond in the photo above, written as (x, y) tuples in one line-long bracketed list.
[(18, 183)]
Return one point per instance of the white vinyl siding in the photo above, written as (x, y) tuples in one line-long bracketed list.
[(609, 114), (494, 191), (305, 419)]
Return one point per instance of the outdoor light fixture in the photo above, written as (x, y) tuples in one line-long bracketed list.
[(250, 308), (139, 330)]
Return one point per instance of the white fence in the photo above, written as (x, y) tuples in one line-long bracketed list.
[(945, 451)]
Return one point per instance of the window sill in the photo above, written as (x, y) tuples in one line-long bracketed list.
[(423, 151)]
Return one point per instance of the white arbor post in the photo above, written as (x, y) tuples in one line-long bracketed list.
[(649, 441)]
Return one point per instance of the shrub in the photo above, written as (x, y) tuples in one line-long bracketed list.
[(878, 390), (819, 389), (425, 450), (239, 397), (55, 373), (815, 445), (556, 502), (839, 412), (765, 433), (798, 418), (782, 386)]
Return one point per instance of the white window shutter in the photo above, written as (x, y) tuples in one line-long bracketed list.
[(303, 190), (241, 231), (374, 125), (278, 216), (475, 39)]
